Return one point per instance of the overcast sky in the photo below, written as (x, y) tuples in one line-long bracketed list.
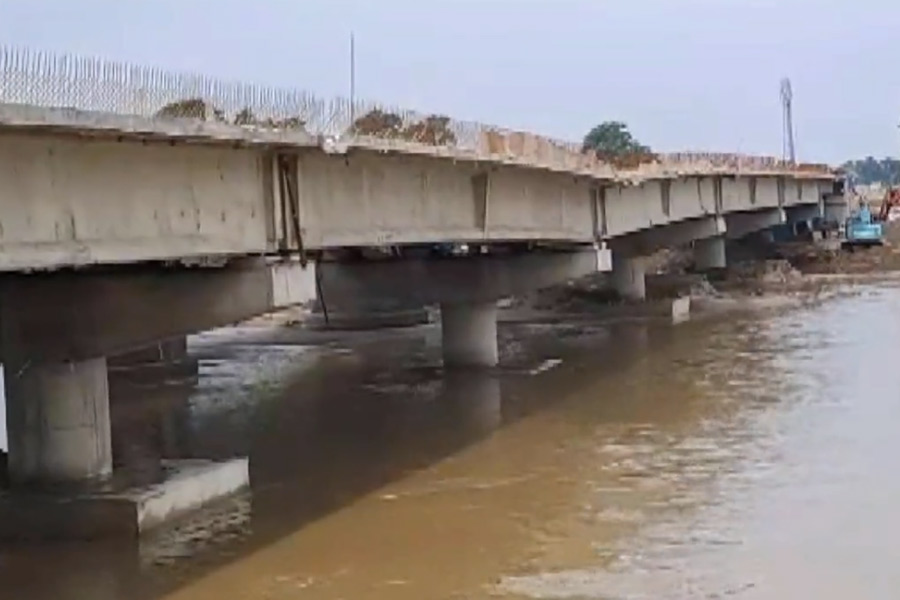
[(684, 74)]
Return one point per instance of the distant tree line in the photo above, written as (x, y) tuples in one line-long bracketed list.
[(872, 170)]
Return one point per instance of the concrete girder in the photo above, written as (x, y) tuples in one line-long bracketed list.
[(679, 233), (453, 280), (70, 316), (372, 198), (803, 212), (740, 224)]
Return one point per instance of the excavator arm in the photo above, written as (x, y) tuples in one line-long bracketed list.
[(891, 199)]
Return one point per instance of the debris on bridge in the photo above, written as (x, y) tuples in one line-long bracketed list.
[(112, 88)]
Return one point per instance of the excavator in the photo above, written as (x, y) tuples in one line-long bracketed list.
[(865, 229), (891, 200)]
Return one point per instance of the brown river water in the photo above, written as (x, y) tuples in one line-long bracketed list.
[(745, 456)]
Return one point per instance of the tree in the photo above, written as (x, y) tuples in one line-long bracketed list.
[(612, 138), (871, 170)]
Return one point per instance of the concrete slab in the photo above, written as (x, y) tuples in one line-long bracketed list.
[(71, 121), (189, 485)]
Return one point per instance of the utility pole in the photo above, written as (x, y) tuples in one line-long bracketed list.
[(352, 78), (787, 142)]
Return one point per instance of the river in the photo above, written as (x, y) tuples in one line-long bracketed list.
[(741, 456)]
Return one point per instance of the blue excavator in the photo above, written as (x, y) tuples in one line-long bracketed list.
[(863, 229)]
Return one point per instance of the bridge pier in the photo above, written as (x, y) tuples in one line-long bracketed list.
[(805, 212), (63, 480), (835, 208), (469, 334), (628, 276), (57, 417), (466, 288), (709, 253), (740, 224), (61, 470)]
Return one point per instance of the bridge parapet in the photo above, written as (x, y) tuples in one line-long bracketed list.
[(250, 113)]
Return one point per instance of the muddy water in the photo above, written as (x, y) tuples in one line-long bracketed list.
[(742, 457)]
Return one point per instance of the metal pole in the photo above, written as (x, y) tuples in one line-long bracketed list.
[(352, 78)]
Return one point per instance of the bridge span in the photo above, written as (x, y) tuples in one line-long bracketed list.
[(137, 207)]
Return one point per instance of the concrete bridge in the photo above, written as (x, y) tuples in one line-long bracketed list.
[(122, 225)]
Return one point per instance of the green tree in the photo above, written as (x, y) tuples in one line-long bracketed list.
[(872, 170), (612, 138)]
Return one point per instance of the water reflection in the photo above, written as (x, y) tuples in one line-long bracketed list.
[(4, 444), (625, 460)]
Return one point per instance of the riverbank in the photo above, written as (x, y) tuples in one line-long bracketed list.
[(767, 276)]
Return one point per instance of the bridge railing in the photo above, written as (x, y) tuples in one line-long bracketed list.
[(48, 79)]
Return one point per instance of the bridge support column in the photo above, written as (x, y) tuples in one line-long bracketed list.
[(709, 253), (57, 417), (469, 334), (628, 277), (835, 208), (60, 448), (806, 212)]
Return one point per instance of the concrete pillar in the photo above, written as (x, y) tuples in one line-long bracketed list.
[(628, 277), (469, 334), (709, 253), (835, 209), (57, 417), (475, 398), (766, 236)]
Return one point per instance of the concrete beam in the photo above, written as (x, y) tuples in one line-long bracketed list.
[(803, 212), (741, 223), (77, 315), (83, 123), (70, 201), (371, 198), (453, 280), (649, 241)]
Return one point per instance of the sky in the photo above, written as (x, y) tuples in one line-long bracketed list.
[(683, 74)]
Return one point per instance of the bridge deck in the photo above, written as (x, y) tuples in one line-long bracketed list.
[(102, 162)]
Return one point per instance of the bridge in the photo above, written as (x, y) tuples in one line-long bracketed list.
[(138, 206)]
